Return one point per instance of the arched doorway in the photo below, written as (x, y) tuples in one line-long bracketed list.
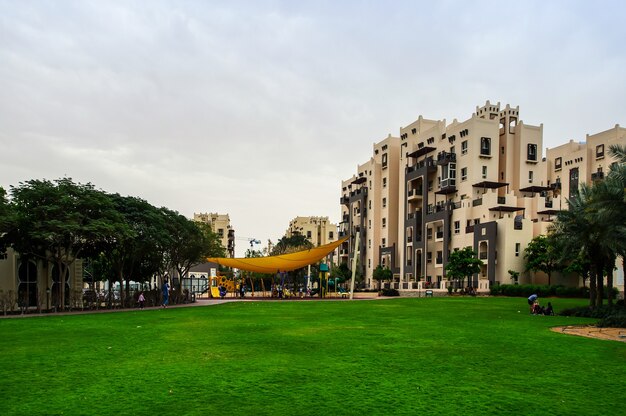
[(55, 291), (27, 284)]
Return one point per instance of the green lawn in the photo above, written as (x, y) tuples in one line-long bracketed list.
[(397, 356)]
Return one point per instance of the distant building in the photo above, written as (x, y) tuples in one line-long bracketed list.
[(220, 224)]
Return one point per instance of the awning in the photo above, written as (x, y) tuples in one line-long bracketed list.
[(281, 263)]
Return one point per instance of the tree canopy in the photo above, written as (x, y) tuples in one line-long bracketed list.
[(463, 263)]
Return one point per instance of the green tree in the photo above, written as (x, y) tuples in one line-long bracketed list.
[(190, 242), (382, 274), (541, 255), (463, 263), (58, 221), (291, 244)]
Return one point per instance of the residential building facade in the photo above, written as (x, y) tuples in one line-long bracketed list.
[(318, 230), (220, 224), (482, 182)]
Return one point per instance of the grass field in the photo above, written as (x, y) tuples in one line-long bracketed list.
[(397, 356)]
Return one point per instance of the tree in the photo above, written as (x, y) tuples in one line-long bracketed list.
[(190, 242), (541, 255), (291, 244), (381, 274), (463, 263), (514, 276), (57, 221), (6, 218)]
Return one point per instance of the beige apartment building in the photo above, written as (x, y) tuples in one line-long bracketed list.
[(369, 205), (220, 224), (481, 182), (318, 230)]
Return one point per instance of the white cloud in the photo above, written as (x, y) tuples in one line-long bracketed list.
[(260, 109)]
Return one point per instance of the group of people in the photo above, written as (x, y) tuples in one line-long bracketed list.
[(537, 309)]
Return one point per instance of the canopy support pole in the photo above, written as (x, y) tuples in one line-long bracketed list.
[(354, 263)]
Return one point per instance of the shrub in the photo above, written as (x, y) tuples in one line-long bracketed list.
[(545, 291), (614, 316), (390, 292)]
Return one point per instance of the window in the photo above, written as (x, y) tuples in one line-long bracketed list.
[(384, 182), (369, 243), (384, 222), (599, 151), (308, 234), (369, 204), (331, 235), (369, 263), (439, 257), (464, 147), (457, 227), (517, 247), (484, 172), (384, 160), (430, 186), (530, 176), (369, 225), (463, 174), (429, 257), (485, 146), (502, 149), (384, 202), (383, 242), (558, 163), (220, 232), (429, 233), (532, 152)]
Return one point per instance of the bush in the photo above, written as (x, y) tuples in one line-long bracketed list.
[(390, 292), (614, 316), (544, 291)]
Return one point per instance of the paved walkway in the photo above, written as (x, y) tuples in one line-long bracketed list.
[(590, 331), (198, 302)]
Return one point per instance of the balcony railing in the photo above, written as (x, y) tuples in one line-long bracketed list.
[(501, 200), (477, 202), (439, 234), (483, 256)]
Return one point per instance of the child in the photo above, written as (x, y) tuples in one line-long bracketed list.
[(142, 300)]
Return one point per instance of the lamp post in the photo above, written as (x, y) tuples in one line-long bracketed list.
[(48, 298)]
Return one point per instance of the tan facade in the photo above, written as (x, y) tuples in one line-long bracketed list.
[(481, 182), (369, 204), (36, 283), (318, 230), (220, 224)]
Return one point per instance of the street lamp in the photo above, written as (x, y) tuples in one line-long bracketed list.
[(48, 298)]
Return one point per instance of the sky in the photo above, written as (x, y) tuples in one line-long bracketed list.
[(259, 109)]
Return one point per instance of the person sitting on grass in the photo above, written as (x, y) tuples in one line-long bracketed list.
[(537, 309), (548, 310)]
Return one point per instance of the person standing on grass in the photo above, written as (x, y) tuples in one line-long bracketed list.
[(142, 300), (531, 301), (166, 294)]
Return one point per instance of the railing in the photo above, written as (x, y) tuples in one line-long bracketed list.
[(501, 200), (482, 256), (548, 204), (439, 234), (477, 202)]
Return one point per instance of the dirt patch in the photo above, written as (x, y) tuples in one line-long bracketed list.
[(590, 331)]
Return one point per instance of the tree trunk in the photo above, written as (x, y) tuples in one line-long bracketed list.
[(592, 287), (600, 284)]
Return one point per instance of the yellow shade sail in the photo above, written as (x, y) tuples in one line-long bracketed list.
[(280, 263)]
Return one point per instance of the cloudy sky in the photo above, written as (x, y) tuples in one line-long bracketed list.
[(259, 109)]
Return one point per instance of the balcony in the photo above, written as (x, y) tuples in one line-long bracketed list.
[(477, 202), (502, 200), (344, 200), (597, 176), (483, 255), (439, 235), (548, 204), (443, 158), (414, 194)]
